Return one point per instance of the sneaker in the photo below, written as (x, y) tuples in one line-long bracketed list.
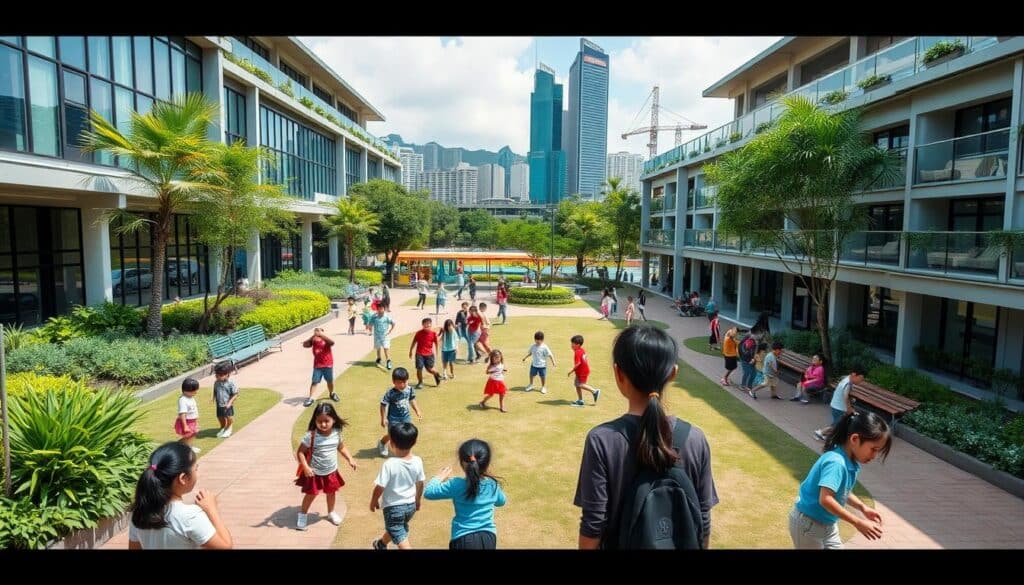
[(528, 388), (723, 382), (220, 433), (301, 521), (418, 386), (333, 518), (776, 397), (378, 361), (795, 399), (389, 364), (543, 389), (752, 394), (437, 380), (818, 435), (335, 397), (577, 402), (378, 544), (804, 401), (196, 449), (226, 433), (382, 448), (597, 394), (308, 402)]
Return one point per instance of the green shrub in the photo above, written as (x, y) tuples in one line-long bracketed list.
[(289, 309), (185, 316), (108, 317), (943, 48), (60, 329), (47, 359), (531, 296), (22, 382), (1013, 432), (977, 433), (363, 277), (912, 384), (15, 336), (493, 277), (333, 287)]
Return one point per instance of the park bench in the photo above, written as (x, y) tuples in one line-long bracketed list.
[(883, 400), (242, 345), (796, 362)]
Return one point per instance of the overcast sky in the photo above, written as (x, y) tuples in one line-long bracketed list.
[(474, 92)]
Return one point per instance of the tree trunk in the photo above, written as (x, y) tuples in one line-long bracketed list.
[(822, 318), (579, 265), (155, 320), (350, 255), (226, 272), (391, 257)]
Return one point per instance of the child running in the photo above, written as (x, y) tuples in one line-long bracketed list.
[(449, 345), (186, 425), (318, 458), (539, 366), (225, 392), (382, 325), (630, 310), (395, 405), (425, 344), (353, 312), (398, 489), (474, 497), (495, 379), (770, 369), (581, 369)]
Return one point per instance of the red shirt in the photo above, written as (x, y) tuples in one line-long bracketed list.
[(322, 356), (579, 360), (425, 341), (473, 321)]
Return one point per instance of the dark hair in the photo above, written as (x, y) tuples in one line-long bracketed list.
[(444, 328), (538, 335), (153, 491), (403, 435), (868, 425), (713, 314), (399, 374), (762, 346), (426, 320), (777, 345), (483, 306), (577, 339), (328, 409), (189, 385), (646, 356), (351, 298), (476, 468), (858, 368), (222, 368)]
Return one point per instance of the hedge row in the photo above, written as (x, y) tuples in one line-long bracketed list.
[(531, 296), (288, 308)]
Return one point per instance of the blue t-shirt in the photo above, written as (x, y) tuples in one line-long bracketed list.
[(835, 471), (381, 324), (449, 340), (470, 515), (398, 403)]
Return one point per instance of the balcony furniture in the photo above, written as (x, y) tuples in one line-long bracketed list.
[(976, 258), (945, 174), (887, 253)]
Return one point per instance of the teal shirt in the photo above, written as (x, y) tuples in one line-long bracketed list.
[(449, 340), (470, 515), (835, 471)]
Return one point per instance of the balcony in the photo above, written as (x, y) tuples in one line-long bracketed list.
[(659, 237), (1017, 262), (706, 197), (689, 199), (867, 248), (975, 157), (898, 181), (900, 61), (303, 96), (956, 253)]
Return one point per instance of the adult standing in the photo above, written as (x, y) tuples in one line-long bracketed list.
[(730, 351)]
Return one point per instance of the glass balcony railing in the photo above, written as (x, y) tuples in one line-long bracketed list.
[(900, 61), (657, 204), (872, 248), (689, 199), (660, 237), (899, 179), (706, 197), (1017, 262), (670, 203), (978, 156), (967, 253)]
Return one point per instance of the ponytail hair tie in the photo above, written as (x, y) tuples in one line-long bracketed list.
[(472, 458), (152, 467), (653, 395)]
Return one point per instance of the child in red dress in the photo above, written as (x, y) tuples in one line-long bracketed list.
[(495, 379)]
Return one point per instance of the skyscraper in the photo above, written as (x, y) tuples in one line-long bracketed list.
[(546, 158), (519, 182), (625, 165), (412, 168), (587, 121), (490, 182)]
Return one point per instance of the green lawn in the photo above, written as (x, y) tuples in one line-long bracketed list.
[(700, 345), (454, 304), (538, 444), (157, 420)]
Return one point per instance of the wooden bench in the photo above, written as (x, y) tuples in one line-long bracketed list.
[(797, 362), (242, 345), (883, 400)]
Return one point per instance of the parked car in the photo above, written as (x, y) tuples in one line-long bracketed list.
[(187, 269), (131, 279)]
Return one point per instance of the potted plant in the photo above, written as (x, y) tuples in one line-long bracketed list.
[(693, 154), (873, 81), (286, 89), (943, 51), (721, 142), (834, 97), (735, 137), (762, 127), (707, 148)]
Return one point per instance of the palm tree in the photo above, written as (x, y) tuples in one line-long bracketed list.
[(169, 156), (352, 220), (621, 210), (586, 229)]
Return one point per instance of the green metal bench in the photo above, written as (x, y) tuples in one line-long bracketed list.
[(242, 345)]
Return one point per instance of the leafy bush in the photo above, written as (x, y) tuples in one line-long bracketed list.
[(834, 97), (913, 384), (60, 329), (333, 287), (15, 336), (185, 316), (846, 351), (289, 309), (494, 277), (530, 296), (22, 382), (873, 80), (47, 359), (977, 433), (108, 317), (363, 277), (943, 48)]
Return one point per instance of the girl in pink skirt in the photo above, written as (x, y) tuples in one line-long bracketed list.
[(495, 379)]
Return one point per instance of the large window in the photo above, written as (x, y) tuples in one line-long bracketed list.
[(390, 173), (234, 105), (277, 254), (893, 138), (976, 215), (885, 218), (186, 267), (994, 115), (372, 168), (880, 316), (831, 60), (64, 77), (353, 167), (40, 263), (766, 291), (349, 112), (305, 159), (968, 334), (321, 246), (256, 46), (293, 73), (769, 91), (323, 94), (875, 44)]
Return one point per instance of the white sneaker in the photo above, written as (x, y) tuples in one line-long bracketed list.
[(333, 518), (543, 389), (300, 521), (528, 388), (383, 448), (226, 433), (196, 449), (220, 433)]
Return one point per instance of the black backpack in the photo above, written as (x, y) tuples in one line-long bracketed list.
[(661, 510)]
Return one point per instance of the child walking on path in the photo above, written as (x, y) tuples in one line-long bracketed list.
[(318, 458), (485, 330), (630, 309), (841, 403), (502, 296), (714, 331), (395, 406), (857, 439), (641, 303), (474, 497), (323, 364), (449, 345), (770, 372), (353, 312), (539, 366), (582, 371), (225, 392), (398, 489), (442, 298), (495, 379), (424, 342), (186, 425), (382, 325)]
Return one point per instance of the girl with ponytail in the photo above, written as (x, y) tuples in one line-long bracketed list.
[(474, 497), (644, 363)]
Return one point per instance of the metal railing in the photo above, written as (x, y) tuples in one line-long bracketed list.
[(966, 253), (978, 156), (659, 237), (706, 196), (866, 248)]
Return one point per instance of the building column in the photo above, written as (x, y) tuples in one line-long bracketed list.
[(215, 268), (213, 90), (307, 243), (744, 275), (645, 271), (252, 117), (332, 247), (252, 257), (908, 330), (787, 301), (96, 256), (838, 298), (364, 162), (694, 274), (717, 271), (679, 264)]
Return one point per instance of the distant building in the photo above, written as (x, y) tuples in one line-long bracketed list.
[(519, 182), (546, 157), (586, 129), (625, 165), (490, 182), (456, 186), (412, 168)]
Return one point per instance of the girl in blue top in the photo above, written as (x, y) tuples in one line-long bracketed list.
[(449, 343), (856, 439), (474, 497)]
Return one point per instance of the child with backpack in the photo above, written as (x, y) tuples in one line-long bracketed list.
[(474, 497), (622, 457), (748, 353)]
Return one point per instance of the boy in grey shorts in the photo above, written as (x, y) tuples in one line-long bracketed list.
[(225, 392), (398, 489)]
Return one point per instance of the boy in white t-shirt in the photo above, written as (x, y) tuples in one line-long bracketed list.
[(398, 489), (186, 425), (539, 366)]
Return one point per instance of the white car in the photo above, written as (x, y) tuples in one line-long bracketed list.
[(185, 269), (131, 279)]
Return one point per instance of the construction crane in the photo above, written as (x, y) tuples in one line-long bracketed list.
[(654, 128)]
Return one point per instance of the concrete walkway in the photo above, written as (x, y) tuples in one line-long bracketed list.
[(924, 501)]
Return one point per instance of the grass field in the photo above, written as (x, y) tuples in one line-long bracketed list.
[(700, 345)]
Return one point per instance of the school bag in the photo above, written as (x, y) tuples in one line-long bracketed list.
[(661, 510), (748, 347)]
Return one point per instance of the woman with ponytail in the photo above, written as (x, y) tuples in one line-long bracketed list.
[(160, 519), (474, 497), (644, 363)]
